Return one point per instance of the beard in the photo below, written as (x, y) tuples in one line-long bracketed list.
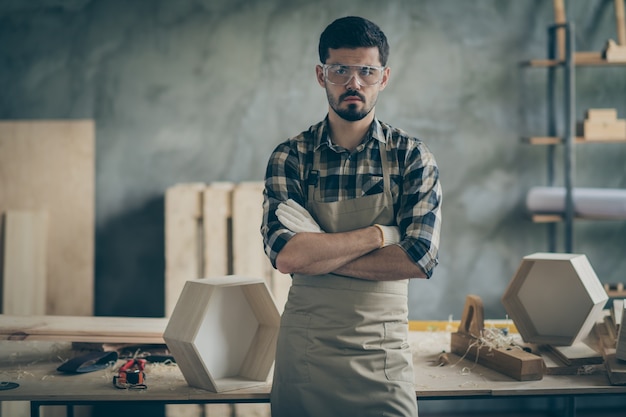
[(352, 112)]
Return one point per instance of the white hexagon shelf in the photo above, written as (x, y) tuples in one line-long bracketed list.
[(554, 298), (222, 332)]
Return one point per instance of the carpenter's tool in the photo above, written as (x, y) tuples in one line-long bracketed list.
[(131, 375), (511, 361)]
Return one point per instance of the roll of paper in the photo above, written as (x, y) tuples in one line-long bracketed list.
[(601, 203)]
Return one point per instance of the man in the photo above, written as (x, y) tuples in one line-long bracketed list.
[(351, 211)]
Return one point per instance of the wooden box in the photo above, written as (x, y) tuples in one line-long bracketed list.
[(604, 129), (223, 331), (554, 298)]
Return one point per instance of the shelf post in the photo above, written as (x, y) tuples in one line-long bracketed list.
[(551, 125), (570, 133)]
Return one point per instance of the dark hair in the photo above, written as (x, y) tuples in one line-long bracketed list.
[(353, 32)]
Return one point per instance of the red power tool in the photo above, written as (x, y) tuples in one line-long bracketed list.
[(131, 375)]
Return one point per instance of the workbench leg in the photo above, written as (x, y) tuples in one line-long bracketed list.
[(69, 410), (34, 409), (570, 406)]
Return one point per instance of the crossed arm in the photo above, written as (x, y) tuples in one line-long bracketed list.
[(368, 253)]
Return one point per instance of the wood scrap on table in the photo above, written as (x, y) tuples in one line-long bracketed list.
[(139, 330), (615, 368)]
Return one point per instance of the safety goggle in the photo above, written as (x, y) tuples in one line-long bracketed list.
[(340, 74)]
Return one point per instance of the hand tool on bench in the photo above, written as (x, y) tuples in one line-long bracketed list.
[(511, 360)]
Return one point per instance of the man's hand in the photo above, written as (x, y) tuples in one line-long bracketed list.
[(296, 218)]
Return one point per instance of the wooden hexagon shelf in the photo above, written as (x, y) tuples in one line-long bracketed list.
[(223, 331), (554, 298)]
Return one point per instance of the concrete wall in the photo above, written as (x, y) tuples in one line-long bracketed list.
[(202, 90)]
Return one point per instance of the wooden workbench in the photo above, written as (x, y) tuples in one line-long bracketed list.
[(32, 364)]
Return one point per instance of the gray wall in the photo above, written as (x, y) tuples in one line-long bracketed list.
[(202, 90)]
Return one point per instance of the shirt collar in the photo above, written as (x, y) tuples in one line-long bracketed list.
[(322, 138)]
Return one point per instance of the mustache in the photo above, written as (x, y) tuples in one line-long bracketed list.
[(353, 94)]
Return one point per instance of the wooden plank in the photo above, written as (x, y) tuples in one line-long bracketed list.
[(49, 165), (217, 223), (183, 239), (83, 329), (24, 263), (578, 354)]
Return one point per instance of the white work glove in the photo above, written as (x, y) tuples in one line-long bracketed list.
[(296, 218), (390, 234)]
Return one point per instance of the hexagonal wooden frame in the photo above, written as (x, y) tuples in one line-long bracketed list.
[(554, 298), (222, 332)]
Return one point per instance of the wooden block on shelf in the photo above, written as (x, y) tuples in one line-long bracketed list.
[(614, 52), (223, 332), (50, 165), (603, 130), (606, 115), (23, 276)]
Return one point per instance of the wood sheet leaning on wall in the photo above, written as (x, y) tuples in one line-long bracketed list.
[(48, 166)]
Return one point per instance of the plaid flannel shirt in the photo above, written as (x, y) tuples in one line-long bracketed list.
[(345, 175)]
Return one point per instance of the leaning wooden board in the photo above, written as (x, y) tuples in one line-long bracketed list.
[(140, 330), (49, 166)]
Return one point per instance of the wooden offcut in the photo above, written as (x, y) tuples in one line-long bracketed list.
[(23, 283), (615, 368), (49, 166), (511, 361), (578, 354)]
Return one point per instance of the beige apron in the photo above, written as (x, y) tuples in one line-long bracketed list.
[(342, 348)]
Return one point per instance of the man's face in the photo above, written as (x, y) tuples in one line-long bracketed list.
[(354, 100)]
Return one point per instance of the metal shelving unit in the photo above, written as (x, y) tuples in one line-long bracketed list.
[(568, 139)]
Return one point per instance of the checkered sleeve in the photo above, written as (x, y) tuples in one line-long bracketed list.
[(282, 182), (420, 208)]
